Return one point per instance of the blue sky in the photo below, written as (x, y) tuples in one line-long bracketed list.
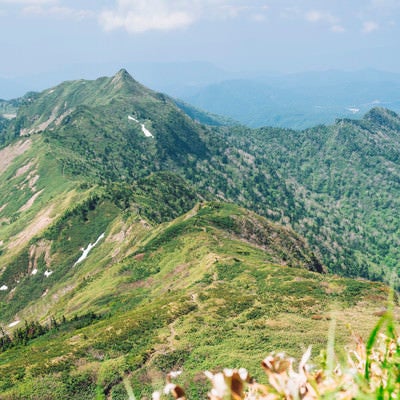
[(39, 36)]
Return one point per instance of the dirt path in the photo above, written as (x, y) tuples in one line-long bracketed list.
[(193, 212), (195, 298), (171, 338), (166, 345)]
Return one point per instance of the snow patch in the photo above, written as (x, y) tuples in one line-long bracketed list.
[(353, 110), (34, 272), (86, 251), (13, 324), (133, 119), (146, 132), (9, 116), (4, 288), (47, 273)]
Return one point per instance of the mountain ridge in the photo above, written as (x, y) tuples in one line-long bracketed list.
[(181, 296), (103, 139), (131, 254)]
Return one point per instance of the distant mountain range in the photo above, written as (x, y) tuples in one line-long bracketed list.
[(255, 99), (298, 101), (139, 235)]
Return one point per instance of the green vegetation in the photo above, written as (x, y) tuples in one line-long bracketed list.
[(350, 168), (163, 196), (8, 111), (33, 329), (204, 117), (371, 371), (179, 272), (183, 295)]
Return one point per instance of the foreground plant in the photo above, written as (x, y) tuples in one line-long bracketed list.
[(372, 371)]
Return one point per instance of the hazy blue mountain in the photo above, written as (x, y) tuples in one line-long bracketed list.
[(253, 98), (14, 87), (299, 100)]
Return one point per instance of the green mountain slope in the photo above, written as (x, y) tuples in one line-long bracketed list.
[(4, 123), (123, 249), (8, 108), (96, 130), (100, 124), (34, 263), (183, 294), (8, 111), (34, 191), (203, 116), (346, 177)]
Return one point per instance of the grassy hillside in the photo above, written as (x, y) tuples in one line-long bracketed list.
[(54, 246), (34, 192), (181, 295)]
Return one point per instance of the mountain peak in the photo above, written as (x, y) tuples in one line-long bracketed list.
[(123, 80), (123, 74), (383, 117), (379, 113)]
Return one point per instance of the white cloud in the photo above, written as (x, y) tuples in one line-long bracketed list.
[(133, 22), (313, 16), (259, 17), (52, 8), (338, 29), (232, 11), (224, 11), (28, 2), (321, 16), (137, 16), (58, 11), (144, 15), (369, 26)]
